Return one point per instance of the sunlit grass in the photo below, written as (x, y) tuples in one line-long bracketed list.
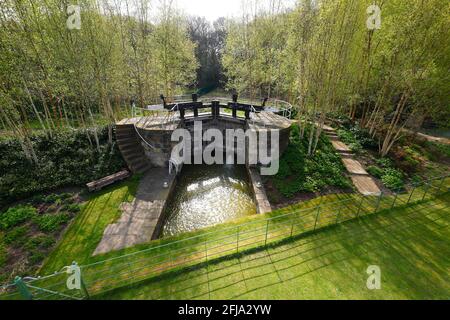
[(410, 244), (166, 258), (86, 231)]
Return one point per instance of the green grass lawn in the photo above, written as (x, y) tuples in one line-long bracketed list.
[(410, 244), (165, 261), (86, 231), (114, 270)]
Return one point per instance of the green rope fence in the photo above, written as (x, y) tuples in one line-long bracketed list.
[(99, 277)]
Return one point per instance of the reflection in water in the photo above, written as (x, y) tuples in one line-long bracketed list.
[(208, 195)]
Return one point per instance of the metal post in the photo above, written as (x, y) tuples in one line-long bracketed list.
[(410, 195), (181, 112), (172, 264), (317, 217), (264, 102), (426, 191), (360, 206), (84, 289), (267, 230), (378, 202), (163, 100), (214, 107), (83, 285), (234, 111), (237, 240), (292, 226), (395, 199), (23, 289), (441, 184), (337, 215)]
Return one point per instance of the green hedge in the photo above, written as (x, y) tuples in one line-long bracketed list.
[(66, 159)]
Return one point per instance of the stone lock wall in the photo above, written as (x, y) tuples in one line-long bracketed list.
[(160, 140)]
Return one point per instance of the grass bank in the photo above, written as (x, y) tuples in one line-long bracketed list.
[(165, 256), (411, 245), (86, 231)]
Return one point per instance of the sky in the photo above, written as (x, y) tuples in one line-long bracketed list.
[(213, 9)]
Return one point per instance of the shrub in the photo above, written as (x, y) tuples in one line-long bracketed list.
[(384, 162), (16, 237), (346, 136), (375, 171), (47, 241), (299, 172), (36, 257), (51, 222), (356, 147), (73, 208), (43, 241), (393, 179), (3, 253), (313, 185), (416, 179), (15, 216), (363, 137)]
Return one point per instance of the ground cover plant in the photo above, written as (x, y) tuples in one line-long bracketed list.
[(410, 160), (30, 230), (300, 173)]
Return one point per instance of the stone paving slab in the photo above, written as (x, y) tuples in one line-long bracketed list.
[(353, 166), (340, 146), (365, 185), (363, 182), (328, 128), (140, 219)]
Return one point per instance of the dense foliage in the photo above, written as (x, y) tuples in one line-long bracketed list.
[(16, 216), (60, 68), (209, 39), (323, 57), (392, 178), (301, 173), (66, 158)]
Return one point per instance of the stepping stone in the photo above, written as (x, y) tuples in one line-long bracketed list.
[(346, 155), (365, 185), (353, 166), (340, 146), (328, 128)]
